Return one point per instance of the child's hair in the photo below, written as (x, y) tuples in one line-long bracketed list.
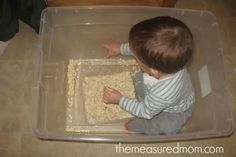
[(163, 43)]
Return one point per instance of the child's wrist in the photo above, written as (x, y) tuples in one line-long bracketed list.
[(121, 100)]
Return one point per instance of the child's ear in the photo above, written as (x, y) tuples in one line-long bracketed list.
[(154, 73)]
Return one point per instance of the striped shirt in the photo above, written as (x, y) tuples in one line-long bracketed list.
[(172, 94)]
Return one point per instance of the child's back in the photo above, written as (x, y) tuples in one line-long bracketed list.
[(162, 46)]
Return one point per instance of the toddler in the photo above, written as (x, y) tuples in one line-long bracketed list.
[(165, 98)]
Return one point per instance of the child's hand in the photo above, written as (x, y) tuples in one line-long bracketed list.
[(111, 96), (113, 49)]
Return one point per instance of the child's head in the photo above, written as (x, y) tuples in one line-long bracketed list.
[(162, 43)]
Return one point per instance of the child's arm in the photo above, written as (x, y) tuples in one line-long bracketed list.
[(115, 49), (148, 108), (125, 49)]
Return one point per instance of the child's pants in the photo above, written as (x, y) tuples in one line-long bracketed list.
[(162, 123)]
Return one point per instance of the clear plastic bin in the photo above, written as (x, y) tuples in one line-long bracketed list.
[(69, 33)]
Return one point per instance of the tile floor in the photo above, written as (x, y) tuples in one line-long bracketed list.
[(16, 137)]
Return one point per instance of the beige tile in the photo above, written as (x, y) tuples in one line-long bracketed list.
[(9, 113), (31, 46), (3, 46), (11, 76), (9, 123), (26, 119), (15, 48), (28, 71), (22, 44), (10, 95), (31, 146), (9, 145)]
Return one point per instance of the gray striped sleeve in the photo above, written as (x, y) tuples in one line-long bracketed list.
[(125, 50), (143, 109), (163, 96)]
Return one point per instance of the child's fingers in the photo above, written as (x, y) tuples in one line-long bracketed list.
[(107, 46), (104, 45), (104, 97), (108, 88), (105, 88), (105, 100), (106, 92)]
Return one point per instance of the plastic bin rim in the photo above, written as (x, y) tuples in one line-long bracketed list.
[(94, 7), (102, 139)]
